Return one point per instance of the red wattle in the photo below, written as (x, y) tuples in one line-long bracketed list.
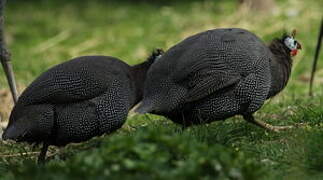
[(293, 52)]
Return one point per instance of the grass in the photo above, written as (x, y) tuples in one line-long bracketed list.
[(43, 33)]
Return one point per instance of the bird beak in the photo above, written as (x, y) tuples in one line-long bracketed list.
[(9, 74), (299, 46)]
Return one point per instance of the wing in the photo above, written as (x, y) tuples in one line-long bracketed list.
[(206, 77), (78, 79)]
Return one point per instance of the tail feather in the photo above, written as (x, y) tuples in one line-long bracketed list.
[(143, 108)]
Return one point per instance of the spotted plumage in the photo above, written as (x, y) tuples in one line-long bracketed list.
[(215, 75), (77, 100)]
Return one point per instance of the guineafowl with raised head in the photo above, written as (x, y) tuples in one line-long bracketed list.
[(217, 74), (77, 100)]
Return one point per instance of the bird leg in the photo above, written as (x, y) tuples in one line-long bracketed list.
[(42, 154), (264, 125)]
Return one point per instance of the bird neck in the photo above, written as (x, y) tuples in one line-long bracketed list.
[(280, 66), (139, 73)]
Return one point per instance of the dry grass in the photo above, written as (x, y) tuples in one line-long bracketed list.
[(6, 104)]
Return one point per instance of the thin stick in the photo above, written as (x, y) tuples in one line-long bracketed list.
[(50, 154), (5, 57), (18, 154), (317, 52)]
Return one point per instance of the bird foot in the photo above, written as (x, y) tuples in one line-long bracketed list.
[(270, 127), (280, 128), (274, 128)]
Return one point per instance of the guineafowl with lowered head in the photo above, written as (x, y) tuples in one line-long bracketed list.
[(217, 74), (77, 100)]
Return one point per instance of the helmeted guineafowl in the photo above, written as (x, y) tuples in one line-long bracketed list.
[(217, 74), (76, 100)]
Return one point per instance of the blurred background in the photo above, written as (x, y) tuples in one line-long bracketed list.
[(42, 33)]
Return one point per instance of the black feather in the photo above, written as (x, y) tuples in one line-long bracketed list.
[(77, 100), (214, 75)]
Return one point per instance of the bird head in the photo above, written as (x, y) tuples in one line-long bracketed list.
[(292, 44), (155, 55), (29, 124)]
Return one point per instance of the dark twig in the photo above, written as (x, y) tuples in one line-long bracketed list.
[(317, 52), (5, 56)]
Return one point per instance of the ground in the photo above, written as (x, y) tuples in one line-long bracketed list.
[(43, 33)]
